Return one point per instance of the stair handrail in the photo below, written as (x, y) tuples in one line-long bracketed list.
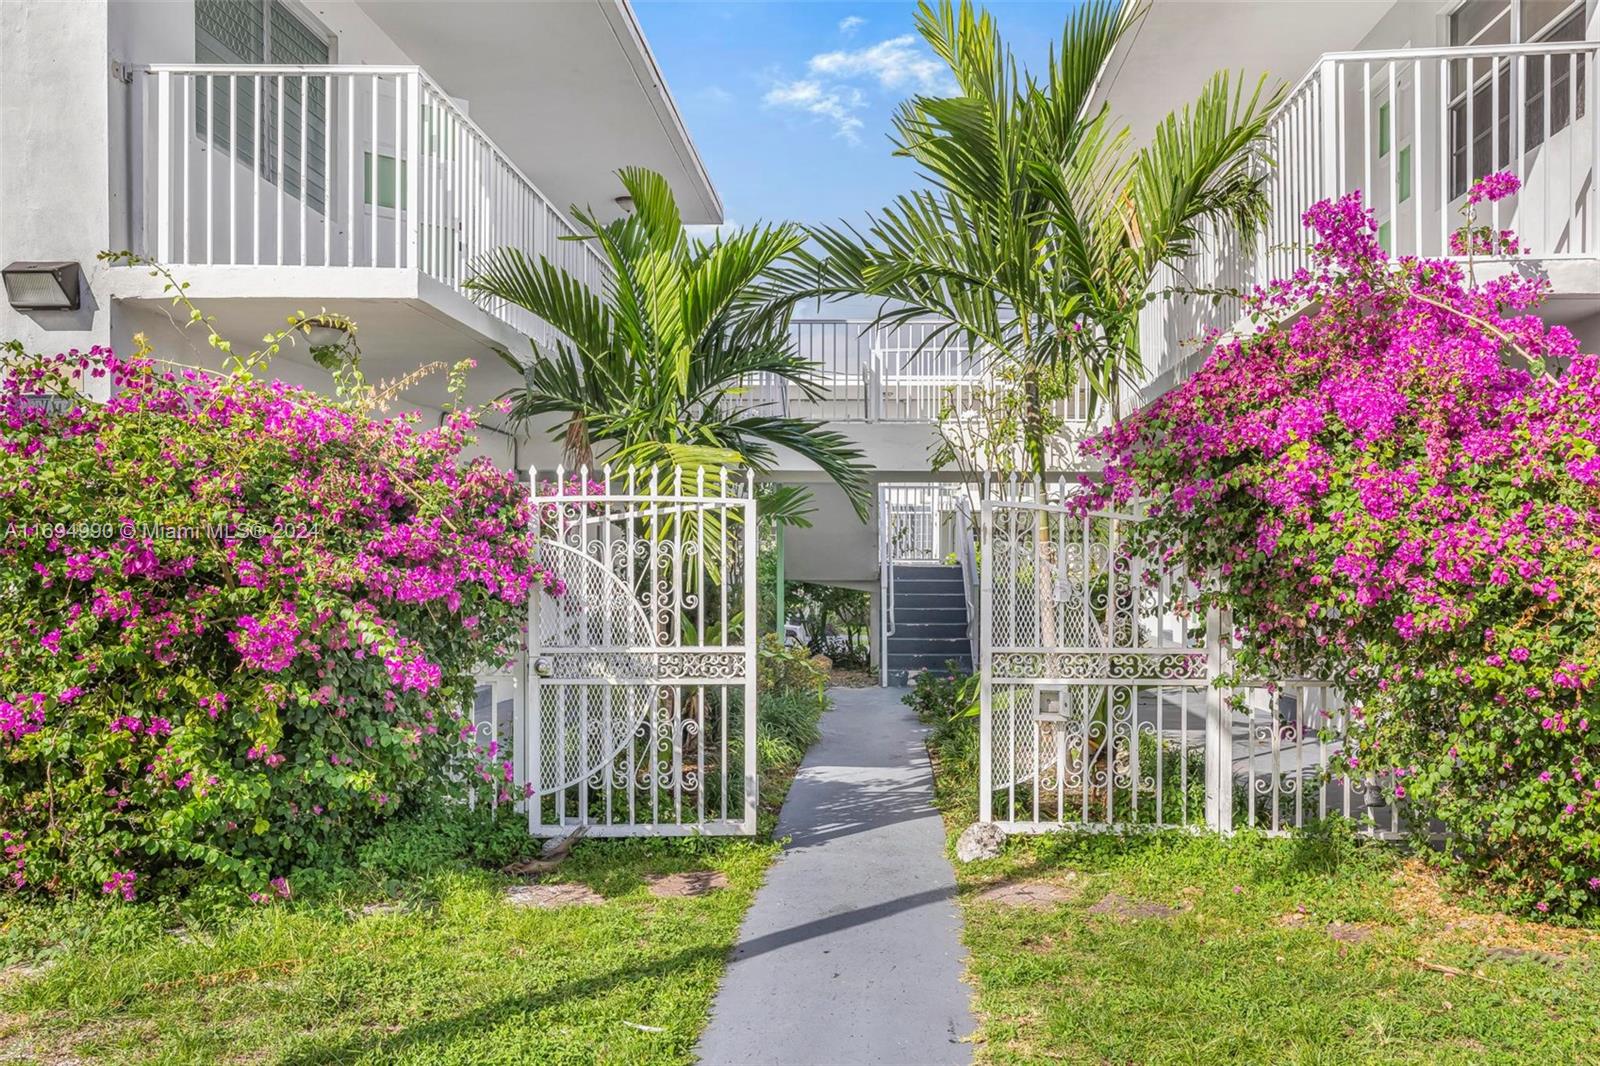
[(885, 587), (967, 556)]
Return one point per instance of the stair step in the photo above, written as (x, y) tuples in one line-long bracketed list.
[(935, 653), (903, 642), (923, 600), (928, 661), (950, 575), (901, 585), (924, 628)]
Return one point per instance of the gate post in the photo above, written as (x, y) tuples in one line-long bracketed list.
[(525, 728), (752, 638), (1219, 730), (985, 657)]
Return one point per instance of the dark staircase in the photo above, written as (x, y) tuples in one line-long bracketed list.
[(930, 621)]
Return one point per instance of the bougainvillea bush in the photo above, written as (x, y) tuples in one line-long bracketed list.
[(239, 624), (1394, 483)]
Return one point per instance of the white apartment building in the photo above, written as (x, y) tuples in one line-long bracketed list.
[(356, 155), (1409, 101), (352, 155)]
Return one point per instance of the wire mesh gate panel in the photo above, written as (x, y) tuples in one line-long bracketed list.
[(1108, 700), (641, 709), (1094, 698)]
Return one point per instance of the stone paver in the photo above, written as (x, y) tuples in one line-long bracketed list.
[(563, 895)]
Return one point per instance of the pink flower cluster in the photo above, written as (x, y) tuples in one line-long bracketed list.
[(121, 884), (253, 602), (1395, 481), (268, 644)]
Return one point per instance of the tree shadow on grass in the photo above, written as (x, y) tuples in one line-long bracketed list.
[(435, 1036)]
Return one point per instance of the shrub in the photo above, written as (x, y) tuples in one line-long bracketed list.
[(1391, 486), (948, 702), (240, 626), (937, 697), (786, 726), (782, 669)]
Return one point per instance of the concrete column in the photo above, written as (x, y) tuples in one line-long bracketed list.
[(874, 629), (56, 188)]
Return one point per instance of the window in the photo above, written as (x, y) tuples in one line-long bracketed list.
[(265, 31), (391, 193), (1552, 77), (1386, 237), (1383, 130), (1403, 175), (1480, 90)]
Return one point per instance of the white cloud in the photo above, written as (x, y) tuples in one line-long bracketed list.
[(836, 103), (895, 63), (850, 24), (835, 86)]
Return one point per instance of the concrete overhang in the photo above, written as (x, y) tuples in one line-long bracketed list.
[(1162, 62), (569, 90), (405, 320)]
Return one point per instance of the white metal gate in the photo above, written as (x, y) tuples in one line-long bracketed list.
[(641, 709), (1107, 700)]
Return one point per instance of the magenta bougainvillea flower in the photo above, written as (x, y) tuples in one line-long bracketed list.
[(1394, 481), (238, 629)]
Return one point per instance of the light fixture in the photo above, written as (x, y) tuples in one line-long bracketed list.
[(323, 333), (626, 203), (42, 286)]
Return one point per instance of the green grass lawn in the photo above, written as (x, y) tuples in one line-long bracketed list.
[(1322, 948), (453, 974), (1318, 950), (431, 965)]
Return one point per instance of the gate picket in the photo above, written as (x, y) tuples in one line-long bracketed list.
[(640, 717), (1107, 696)]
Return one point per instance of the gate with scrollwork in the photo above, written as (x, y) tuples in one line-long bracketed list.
[(1107, 701), (641, 668)]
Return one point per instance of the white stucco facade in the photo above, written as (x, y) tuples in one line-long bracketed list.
[(554, 97)]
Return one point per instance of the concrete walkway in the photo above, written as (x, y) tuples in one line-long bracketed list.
[(851, 951)]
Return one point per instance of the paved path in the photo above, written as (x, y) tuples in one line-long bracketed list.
[(851, 952)]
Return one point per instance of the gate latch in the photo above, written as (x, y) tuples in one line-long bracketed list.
[(542, 666)]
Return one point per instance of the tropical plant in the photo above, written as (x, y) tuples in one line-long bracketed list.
[(1389, 485), (1043, 228), (241, 621), (658, 366)]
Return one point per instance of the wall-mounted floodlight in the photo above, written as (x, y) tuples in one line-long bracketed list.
[(42, 286)]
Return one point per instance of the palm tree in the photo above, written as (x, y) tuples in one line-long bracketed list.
[(657, 368), (1042, 230)]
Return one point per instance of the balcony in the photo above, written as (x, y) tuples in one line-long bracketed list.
[(908, 373), (1412, 128), (345, 172)]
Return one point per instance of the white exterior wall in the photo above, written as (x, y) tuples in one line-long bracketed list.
[(55, 169), (69, 177), (1555, 216)]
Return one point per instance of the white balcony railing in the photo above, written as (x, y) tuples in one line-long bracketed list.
[(905, 373), (364, 167), (1412, 129)]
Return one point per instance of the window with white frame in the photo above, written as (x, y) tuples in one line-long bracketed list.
[(266, 31), (1485, 92)]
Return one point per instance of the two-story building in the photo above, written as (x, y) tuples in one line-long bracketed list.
[(353, 155), (1408, 101)]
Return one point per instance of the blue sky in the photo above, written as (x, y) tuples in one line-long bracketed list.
[(789, 102)]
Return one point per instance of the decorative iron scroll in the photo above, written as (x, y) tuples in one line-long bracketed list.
[(642, 667), (1177, 666)]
